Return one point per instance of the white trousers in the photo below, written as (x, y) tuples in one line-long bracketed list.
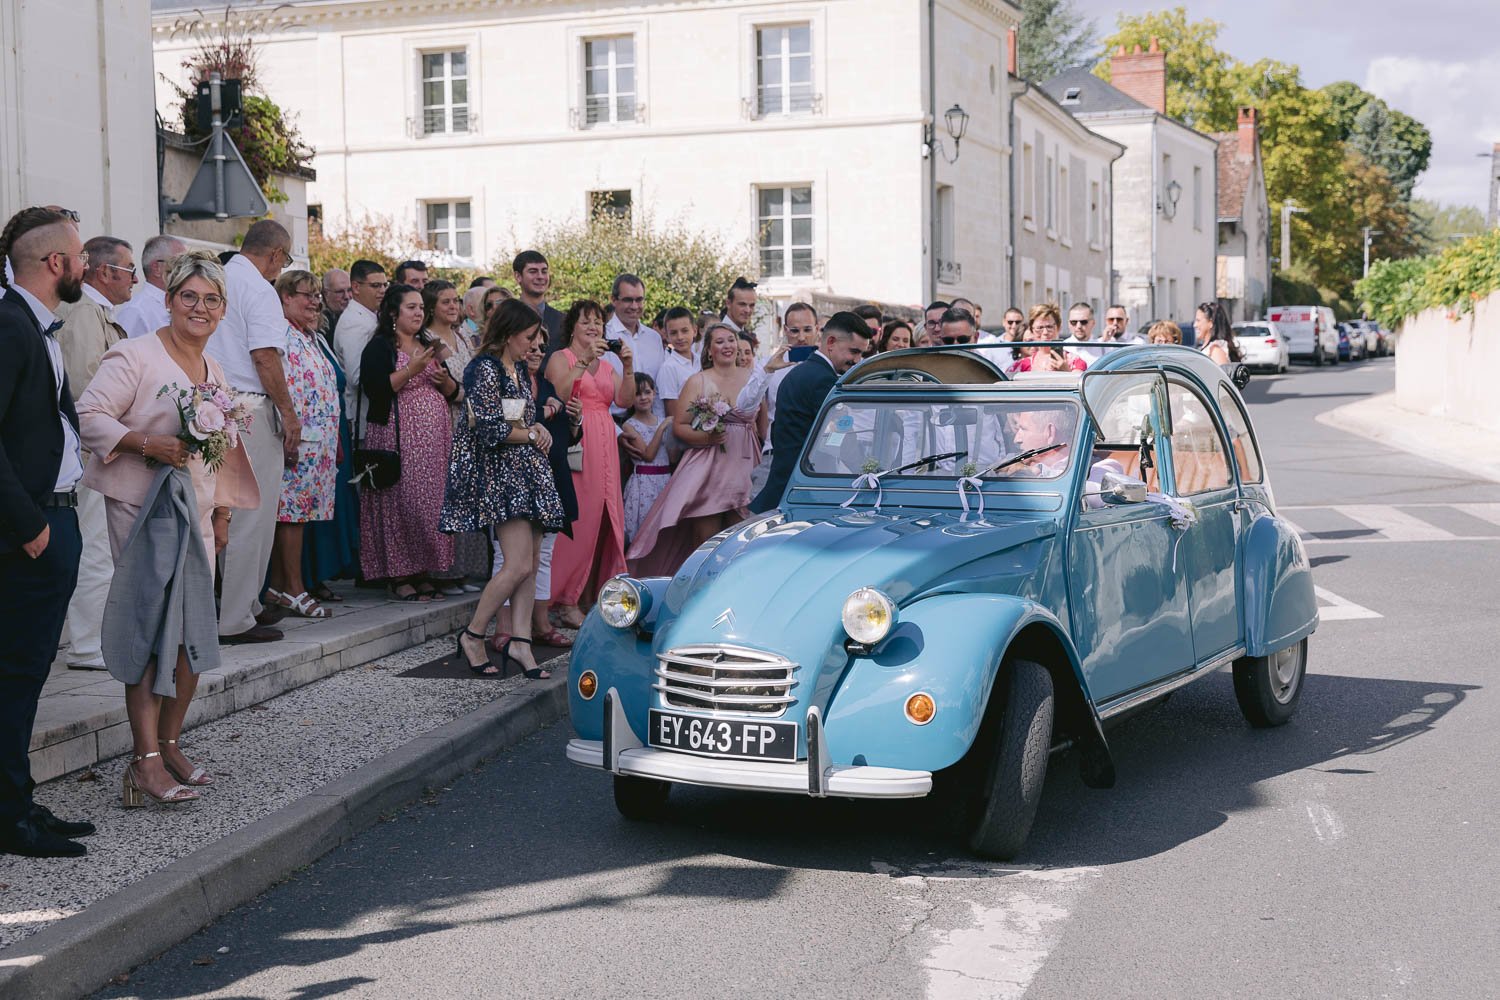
[(95, 570), (543, 569), (251, 532)]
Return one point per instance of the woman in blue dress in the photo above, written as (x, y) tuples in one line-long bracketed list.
[(499, 477)]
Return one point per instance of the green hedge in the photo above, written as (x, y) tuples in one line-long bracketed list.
[(1454, 280)]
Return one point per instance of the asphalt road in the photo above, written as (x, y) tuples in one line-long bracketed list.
[(1348, 854)]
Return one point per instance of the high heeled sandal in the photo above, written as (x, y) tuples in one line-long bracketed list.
[(485, 669), (133, 796), (531, 673), (198, 778)]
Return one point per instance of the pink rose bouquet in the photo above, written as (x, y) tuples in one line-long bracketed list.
[(708, 414), (212, 419)]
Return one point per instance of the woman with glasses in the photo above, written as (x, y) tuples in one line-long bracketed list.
[(1045, 323), (132, 429), (308, 489)]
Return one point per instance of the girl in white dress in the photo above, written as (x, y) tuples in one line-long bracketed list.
[(646, 433)]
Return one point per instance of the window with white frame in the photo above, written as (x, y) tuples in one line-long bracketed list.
[(450, 228), (609, 80), (445, 92), (1064, 206), (785, 221), (1028, 183), (1051, 198), (610, 205), (783, 69)]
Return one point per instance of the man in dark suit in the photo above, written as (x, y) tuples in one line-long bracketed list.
[(40, 466), (533, 280), (846, 338)]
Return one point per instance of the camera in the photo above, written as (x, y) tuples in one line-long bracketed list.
[(613, 346)]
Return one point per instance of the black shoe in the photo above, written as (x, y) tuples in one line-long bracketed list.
[(270, 614), (29, 839), (43, 818), (258, 633)]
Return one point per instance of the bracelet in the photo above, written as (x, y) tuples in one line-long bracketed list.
[(228, 514), (144, 439)]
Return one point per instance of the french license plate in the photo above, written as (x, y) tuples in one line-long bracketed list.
[(744, 739)]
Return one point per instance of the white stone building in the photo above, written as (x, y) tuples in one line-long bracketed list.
[(1062, 235), (76, 119), (1165, 198), (1243, 276), (794, 125)]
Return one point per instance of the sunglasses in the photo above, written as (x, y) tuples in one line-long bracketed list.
[(1079, 322)]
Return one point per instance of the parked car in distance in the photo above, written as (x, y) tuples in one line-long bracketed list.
[(1262, 345), (1374, 339), (1350, 343), (968, 573), (1311, 332)]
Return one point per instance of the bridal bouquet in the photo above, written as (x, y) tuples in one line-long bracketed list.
[(212, 418), (709, 414)]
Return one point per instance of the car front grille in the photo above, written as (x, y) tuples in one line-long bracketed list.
[(721, 678)]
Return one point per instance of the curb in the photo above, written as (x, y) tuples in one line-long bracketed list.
[(79, 955), (1379, 419)]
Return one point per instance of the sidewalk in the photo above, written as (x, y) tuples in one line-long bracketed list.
[(1465, 447), (81, 717)]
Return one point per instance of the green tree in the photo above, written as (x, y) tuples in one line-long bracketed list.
[(1437, 226), (1198, 74), (1054, 36), (1393, 139)]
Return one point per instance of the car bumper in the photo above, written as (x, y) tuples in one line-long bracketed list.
[(1261, 357), (622, 753)]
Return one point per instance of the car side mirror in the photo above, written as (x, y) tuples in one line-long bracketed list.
[(1117, 489)]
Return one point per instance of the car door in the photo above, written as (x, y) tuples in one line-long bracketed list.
[(1128, 608), (1207, 553)]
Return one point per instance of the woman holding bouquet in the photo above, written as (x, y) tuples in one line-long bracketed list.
[(716, 421), (596, 549), (133, 428)]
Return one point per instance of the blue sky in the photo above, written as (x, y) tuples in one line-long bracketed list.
[(1437, 60)]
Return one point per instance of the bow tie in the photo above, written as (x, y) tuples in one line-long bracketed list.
[(51, 331)]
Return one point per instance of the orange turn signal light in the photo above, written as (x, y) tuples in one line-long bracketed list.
[(920, 708), (588, 685)]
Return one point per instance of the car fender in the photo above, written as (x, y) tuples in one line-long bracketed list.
[(623, 659), (1280, 606), (952, 647)]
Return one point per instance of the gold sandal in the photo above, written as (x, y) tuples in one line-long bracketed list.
[(132, 795), (198, 777)]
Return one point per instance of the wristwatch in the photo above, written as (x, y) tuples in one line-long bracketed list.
[(531, 434)]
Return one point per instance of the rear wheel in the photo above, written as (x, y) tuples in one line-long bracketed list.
[(1318, 356), (1268, 687), (1011, 786), (641, 799)]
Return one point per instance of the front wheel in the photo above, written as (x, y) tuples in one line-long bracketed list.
[(1012, 789), (641, 799), (1267, 687)]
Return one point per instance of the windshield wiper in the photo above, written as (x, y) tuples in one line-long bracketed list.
[(928, 460), (1033, 453)]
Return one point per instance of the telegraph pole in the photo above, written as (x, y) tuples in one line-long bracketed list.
[(1288, 208), (1369, 233)]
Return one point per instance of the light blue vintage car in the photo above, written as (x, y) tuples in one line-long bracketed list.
[(968, 573)]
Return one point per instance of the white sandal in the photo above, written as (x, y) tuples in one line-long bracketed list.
[(304, 605)]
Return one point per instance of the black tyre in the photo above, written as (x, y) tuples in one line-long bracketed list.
[(1268, 687), (641, 799), (1011, 786)]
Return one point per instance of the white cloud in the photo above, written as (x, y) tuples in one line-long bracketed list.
[(1455, 100)]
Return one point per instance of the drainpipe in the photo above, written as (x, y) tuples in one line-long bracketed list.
[(931, 130), (1155, 214), (1015, 258)]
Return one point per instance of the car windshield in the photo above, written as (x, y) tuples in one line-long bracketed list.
[(1252, 331), (1021, 439)]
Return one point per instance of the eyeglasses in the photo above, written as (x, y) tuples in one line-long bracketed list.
[(116, 267), (313, 296), (82, 255), (210, 301), (639, 300), (70, 215), (1043, 328), (1079, 322), (379, 286), (1014, 322), (287, 258)]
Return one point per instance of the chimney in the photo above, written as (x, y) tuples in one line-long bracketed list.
[(1012, 56), (1141, 75), (1249, 130)]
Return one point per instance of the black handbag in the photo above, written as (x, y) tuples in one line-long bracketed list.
[(375, 468)]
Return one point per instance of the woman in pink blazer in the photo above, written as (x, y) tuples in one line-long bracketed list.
[(131, 428)]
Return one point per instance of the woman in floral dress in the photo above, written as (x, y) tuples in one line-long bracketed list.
[(307, 490), (408, 391)]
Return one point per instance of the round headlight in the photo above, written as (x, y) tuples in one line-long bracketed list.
[(869, 616), (621, 602)]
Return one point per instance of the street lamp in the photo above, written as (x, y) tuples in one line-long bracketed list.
[(1369, 233), (1169, 206), (1288, 208), (956, 120)]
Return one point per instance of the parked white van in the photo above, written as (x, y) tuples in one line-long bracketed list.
[(1310, 331)]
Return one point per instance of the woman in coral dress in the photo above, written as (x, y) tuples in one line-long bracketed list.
[(596, 550), (710, 490)]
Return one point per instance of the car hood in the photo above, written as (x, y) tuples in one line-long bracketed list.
[(780, 585)]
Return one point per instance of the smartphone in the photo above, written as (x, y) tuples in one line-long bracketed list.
[(800, 353), (425, 338)]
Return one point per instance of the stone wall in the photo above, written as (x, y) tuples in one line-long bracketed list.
[(1447, 367)]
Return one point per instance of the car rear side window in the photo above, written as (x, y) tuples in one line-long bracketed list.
[(1241, 438), (1199, 463)]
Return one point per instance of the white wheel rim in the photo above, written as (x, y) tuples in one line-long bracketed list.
[(1286, 672)]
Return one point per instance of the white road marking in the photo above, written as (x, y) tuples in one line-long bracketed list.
[(1484, 511), (1396, 525), (1335, 608), (1327, 826)]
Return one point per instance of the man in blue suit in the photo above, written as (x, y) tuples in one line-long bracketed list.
[(845, 340), (40, 466)]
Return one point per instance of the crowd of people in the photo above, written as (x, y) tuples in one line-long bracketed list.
[(240, 424)]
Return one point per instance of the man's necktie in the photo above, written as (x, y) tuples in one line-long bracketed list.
[(51, 331)]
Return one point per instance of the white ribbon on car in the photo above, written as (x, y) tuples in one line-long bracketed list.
[(867, 481), (1183, 516), (963, 496)]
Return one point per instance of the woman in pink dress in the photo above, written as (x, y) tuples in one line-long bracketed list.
[(710, 490), (596, 550)]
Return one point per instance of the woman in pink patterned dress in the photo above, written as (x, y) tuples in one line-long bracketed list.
[(409, 391), (596, 550), (710, 490), (308, 489)]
